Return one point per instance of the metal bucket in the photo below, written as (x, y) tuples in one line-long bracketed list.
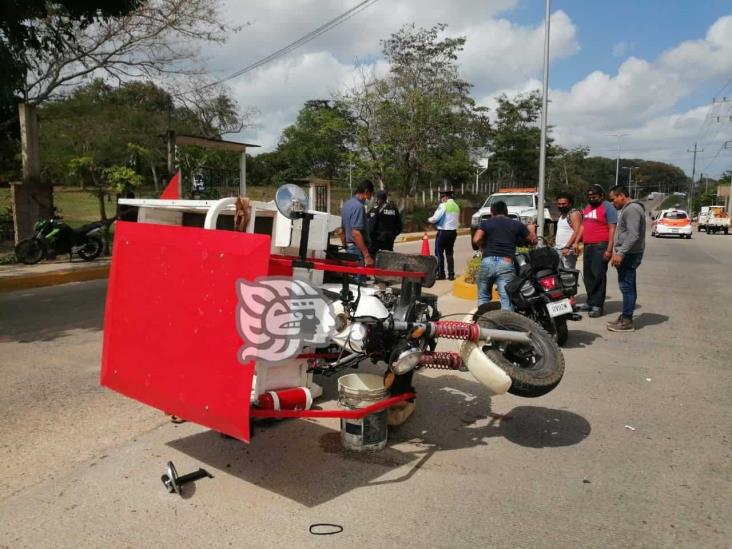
[(358, 391)]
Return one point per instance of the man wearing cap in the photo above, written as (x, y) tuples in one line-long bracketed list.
[(385, 224), (599, 219), (447, 219)]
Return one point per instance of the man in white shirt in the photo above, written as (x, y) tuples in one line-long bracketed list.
[(447, 219), (568, 230)]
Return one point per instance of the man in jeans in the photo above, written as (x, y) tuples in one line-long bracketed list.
[(628, 247), (354, 234), (598, 229), (569, 227), (498, 237)]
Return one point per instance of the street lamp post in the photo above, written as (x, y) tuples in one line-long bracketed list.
[(544, 100), (728, 145), (630, 181), (617, 158)]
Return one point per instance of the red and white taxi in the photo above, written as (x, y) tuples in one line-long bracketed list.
[(670, 223)]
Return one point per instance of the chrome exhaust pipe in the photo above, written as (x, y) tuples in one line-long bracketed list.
[(482, 368)]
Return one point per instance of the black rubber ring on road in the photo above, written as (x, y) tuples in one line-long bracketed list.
[(336, 529)]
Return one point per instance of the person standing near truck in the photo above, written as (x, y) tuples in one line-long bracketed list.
[(628, 247), (447, 219), (385, 223), (498, 238), (598, 230)]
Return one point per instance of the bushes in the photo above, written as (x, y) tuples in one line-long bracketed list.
[(471, 270), (7, 230)]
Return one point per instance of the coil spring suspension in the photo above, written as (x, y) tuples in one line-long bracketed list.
[(452, 329), (441, 360)]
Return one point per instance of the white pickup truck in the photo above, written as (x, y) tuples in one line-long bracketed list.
[(715, 220), (522, 205)]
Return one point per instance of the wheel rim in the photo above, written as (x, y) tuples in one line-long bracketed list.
[(30, 250)]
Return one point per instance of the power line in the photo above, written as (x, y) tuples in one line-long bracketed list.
[(721, 147), (299, 42), (714, 112)]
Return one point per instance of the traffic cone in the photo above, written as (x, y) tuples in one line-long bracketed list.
[(425, 245)]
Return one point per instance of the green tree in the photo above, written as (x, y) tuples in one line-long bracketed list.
[(515, 140), (157, 37), (317, 143), (126, 125), (416, 124)]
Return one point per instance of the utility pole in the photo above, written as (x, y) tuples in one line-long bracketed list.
[(481, 169), (728, 145), (690, 201), (544, 100), (630, 181), (617, 158)]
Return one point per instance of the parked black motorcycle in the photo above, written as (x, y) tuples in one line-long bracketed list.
[(542, 291), (52, 236)]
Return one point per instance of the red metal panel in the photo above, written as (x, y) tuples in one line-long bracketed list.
[(170, 335)]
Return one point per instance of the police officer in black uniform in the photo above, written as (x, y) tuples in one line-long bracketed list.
[(385, 223)]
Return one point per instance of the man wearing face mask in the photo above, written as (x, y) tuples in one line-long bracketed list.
[(599, 219), (569, 227)]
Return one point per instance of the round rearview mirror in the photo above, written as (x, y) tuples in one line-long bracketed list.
[(291, 200)]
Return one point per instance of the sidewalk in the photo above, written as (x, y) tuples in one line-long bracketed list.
[(49, 273), (62, 271)]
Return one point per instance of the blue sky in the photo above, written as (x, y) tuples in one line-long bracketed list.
[(648, 68), (645, 27)]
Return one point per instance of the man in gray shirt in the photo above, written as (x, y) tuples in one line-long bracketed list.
[(628, 246), (353, 222)]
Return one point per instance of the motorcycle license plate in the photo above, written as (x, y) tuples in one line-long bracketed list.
[(559, 308)]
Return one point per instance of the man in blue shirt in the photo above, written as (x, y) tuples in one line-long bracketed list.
[(501, 234), (354, 233)]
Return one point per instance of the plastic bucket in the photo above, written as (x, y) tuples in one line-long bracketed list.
[(369, 433)]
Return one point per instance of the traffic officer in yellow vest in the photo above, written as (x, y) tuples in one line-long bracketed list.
[(447, 219)]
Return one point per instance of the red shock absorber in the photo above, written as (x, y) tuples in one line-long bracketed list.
[(452, 329), (441, 360)]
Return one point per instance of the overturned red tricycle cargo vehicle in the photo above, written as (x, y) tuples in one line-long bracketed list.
[(221, 327)]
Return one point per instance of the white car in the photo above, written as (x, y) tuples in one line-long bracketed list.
[(672, 223), (522, 205)]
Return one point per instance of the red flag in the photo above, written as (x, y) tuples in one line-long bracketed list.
[(172, 191)]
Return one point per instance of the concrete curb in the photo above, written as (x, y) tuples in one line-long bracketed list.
[(465, 290), (26, 281), (82, 274)]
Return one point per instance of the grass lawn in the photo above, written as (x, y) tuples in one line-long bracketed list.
[(77, 207)]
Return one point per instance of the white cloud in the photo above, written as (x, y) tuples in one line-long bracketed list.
[(500, 54), (622, 48), (640, 98)]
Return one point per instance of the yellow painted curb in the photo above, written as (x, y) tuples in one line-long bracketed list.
[(24, 282), (464, 290)]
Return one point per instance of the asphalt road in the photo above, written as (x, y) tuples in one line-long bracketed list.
[(631, 450)]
